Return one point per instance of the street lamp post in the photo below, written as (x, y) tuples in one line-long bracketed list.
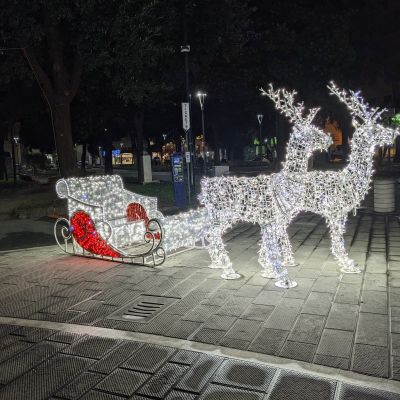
[(201, 96), (260, 119), (100, 157), (14, 141), (185, 49)]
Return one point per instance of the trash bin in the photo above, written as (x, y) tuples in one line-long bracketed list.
[(220, 170), (384, 195)]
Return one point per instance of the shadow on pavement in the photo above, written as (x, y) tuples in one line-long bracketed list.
[(26, 239)]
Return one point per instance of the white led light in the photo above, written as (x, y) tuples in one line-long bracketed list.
[(334, 194), (268, 200), (106, 220)]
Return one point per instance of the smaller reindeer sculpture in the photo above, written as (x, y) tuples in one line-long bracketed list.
[(268, 200), (334, 194)]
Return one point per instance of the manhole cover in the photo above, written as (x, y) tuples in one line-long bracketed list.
[(143, 308)]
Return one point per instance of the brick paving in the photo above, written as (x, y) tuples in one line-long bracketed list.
[(69, 366), (351, 322)]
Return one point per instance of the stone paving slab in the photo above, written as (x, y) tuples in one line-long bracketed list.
[(329, 319), (174, 374)]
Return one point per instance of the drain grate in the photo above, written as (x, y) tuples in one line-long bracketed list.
[(143, 308)]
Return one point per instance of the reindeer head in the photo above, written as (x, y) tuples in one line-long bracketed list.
[(304, 134), (365, 118)]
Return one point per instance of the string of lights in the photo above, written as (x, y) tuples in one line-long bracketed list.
[(334, 194), (271, 201)]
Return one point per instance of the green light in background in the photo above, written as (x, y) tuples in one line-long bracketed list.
[(396, 119)]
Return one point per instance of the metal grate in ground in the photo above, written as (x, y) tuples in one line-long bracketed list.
[(143, 309)]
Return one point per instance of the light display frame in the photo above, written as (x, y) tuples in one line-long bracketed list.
[(271, 201), (333, 194), (109, 222)]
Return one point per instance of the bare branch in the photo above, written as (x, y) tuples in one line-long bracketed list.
[(39, 73)]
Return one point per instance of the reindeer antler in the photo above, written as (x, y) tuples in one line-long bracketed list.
[(356, 104), (285, 103)]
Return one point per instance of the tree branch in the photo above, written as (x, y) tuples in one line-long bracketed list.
[(39, 73)]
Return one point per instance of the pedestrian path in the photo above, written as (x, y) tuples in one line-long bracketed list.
[(347, 322), (65, 361)]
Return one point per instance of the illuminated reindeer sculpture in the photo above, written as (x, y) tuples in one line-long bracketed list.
[(333, 194), (268, 200)]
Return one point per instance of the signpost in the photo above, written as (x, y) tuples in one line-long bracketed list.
[(186, 128), (185, 117)]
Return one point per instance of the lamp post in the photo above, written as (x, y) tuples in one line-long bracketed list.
[(260, 118), (201, 96), (14, 141), (185, 50)]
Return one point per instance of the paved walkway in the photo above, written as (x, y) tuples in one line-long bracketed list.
[(69, 363), (349, 322)]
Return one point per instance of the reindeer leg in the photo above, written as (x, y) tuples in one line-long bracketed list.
[(218, 254), (286, 250), (264, 256), (337, 229), (270, 258)]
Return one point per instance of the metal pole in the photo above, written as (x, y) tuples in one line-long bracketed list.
[(191, 147), (204, 139), (13, 160), (186, 49), (188, 132), (260, 119)]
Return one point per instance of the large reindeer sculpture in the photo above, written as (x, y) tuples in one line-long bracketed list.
[(333, 194), (268, 200)]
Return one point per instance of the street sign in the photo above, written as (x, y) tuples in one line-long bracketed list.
[(185, 117), (187, 154)]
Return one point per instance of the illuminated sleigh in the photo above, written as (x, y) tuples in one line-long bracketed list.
[(109, 222)]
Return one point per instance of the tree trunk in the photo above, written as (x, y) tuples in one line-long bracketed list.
[(64, 144), (59, 87), (397, 149), (83, 158), (138, 123), (282, 138), (216, 142), (108, 165)]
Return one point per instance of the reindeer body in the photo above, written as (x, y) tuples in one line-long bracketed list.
[(264, 199), (230, 200), (334, 194), (268, 200)]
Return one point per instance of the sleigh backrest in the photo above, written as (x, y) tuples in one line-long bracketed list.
[(94, 190), (104, 197)]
